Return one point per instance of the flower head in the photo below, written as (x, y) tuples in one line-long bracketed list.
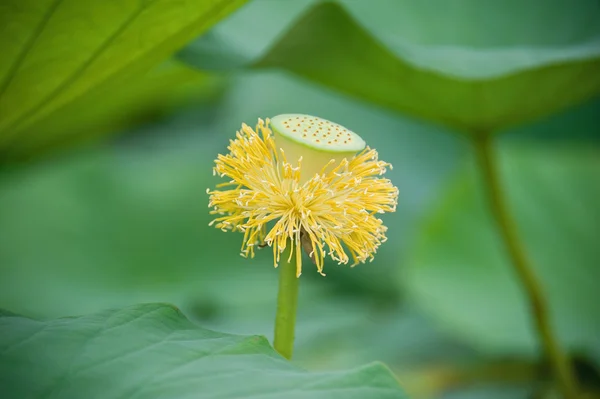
[(308, 183)]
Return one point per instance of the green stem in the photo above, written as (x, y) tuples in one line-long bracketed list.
[(561, 367), (287, 303)]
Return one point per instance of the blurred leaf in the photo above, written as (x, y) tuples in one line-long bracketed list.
[(56, 52), (460, 271), (498, 392), (478, 66), (238, 40), (151, 351), (133, 224)]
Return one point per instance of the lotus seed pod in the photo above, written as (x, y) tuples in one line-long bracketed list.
[(315, 139)]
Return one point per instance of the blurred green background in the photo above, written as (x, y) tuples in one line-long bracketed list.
[(105, 159)]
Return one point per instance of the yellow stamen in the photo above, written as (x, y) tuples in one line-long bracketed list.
[(335, 208)]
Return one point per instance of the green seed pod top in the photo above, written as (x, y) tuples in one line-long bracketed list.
[(317, 133), (315, 139)]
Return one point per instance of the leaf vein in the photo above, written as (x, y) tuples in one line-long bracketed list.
[(16, 66), (70, 80)]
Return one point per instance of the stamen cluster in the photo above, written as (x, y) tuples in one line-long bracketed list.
[(330, 213)]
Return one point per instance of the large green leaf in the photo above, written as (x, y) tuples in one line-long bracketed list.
[(56, 52), (472, 65), (153, 351), (460, 270)]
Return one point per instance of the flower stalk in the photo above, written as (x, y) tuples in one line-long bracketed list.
[(560, 364), (287, 304), (299, 182)]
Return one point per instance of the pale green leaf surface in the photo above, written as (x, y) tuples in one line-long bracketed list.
[(460, 271), (55, 51), (475, 66), (245, 35), (153, 351), (479, 40)]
